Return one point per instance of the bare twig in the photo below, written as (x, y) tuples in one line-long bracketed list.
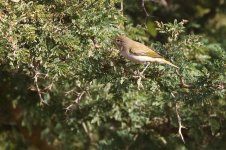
[(139, 76), (179, 120), (87, 131), (76, 101), (121, 6), (143, 6), (180, 125), (49, 87), (182, 83), (38, 89), (70, 91), (85, 128), (139, 83)]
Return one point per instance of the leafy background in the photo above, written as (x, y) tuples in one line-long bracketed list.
[(64, 85)]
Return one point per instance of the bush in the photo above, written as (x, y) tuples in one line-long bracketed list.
[(64, 86)]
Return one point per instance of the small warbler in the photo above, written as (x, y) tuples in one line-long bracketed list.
[(138, 52)]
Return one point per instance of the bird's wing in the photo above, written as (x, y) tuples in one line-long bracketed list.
[(140, 49)]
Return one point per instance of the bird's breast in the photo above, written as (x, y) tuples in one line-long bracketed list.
[(138, 59)]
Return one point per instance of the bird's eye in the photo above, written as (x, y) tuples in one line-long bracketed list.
[(117, 40)]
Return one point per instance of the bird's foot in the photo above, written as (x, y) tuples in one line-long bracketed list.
[(139, 75)]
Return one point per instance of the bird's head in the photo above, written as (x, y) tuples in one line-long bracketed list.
[(121, 41)]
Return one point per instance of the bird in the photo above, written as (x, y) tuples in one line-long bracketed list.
[(138, 52)]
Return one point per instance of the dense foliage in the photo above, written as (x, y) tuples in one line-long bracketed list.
[(63, 84)]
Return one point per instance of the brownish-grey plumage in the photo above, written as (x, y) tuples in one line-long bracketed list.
[(138, 52)]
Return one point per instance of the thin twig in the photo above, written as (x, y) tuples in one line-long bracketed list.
[(139, 83), (70, 91), (143, 6), (85, 127), (87, 131), (122, 6), (76, 101), (182, 83), (140, 76), (49, 87), (38, 89), (80, 96), (179, 121)]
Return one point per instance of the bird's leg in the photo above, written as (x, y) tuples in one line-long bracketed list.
[(145, 68)]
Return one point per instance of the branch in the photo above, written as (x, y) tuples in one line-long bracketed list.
[(121, 6), (179, 121), (143, 6), (88, 133), (76, 101), (182, 83), (38, 89), (139, 76), (85, 128), (49, 87)]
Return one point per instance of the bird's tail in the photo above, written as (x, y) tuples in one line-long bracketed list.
[(169, 63)]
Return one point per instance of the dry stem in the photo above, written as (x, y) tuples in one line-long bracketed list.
[(143, 6), (38, 89), (182, 83), (76, 101), (179, 120)]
